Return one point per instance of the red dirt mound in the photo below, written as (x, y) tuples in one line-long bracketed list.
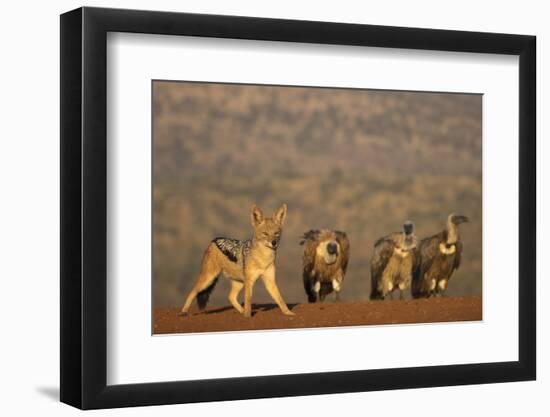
[(328, 314)]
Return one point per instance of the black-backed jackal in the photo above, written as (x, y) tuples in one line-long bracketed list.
[(243, 262)]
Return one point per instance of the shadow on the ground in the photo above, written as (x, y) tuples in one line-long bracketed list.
[(255, 308), (267, 307)]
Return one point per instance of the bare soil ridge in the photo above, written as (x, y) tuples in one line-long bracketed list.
[(328, 314)]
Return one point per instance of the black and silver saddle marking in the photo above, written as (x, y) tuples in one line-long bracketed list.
[(232, 248)]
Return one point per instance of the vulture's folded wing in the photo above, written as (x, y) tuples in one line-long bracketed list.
[(429, 248), (383, 250), (309, 241), (458, 255), (343, 241)]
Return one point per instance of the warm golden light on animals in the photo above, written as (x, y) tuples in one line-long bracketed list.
[(292, 207), (325, 261), (242, 262)]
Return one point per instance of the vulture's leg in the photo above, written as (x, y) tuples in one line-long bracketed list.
[(402, 288), (312, 294), (442, 286), (337, 287), (316, 289), (389, 288), (433, 285)]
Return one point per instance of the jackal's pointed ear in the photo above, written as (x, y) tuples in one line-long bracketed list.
[(280, 215), (256, 215)]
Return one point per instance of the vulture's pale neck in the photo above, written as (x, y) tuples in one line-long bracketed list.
[(452, 232), (408, 241), (405, 241)]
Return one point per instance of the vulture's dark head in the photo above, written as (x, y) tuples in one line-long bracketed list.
[(408, 227), (458, 219)]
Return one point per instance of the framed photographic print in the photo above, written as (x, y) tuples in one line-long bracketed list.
[(258, 207)]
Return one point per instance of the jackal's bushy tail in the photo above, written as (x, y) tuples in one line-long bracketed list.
[(204, 295)]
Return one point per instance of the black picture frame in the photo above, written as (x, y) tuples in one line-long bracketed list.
[(84, 207)]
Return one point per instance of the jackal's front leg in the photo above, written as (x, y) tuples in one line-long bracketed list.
[(249, 280), (269, 280)]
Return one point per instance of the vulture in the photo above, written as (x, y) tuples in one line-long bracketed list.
[(392, 265), (439, 257), (325, 260)]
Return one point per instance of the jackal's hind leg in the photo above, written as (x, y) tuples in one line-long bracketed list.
[(206, 278), (236, 287)]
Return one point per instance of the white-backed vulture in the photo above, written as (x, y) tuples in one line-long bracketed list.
[(440, 256), (393, 262), (325, 260)]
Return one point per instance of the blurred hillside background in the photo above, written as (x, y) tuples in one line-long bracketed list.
[(360, 161)]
